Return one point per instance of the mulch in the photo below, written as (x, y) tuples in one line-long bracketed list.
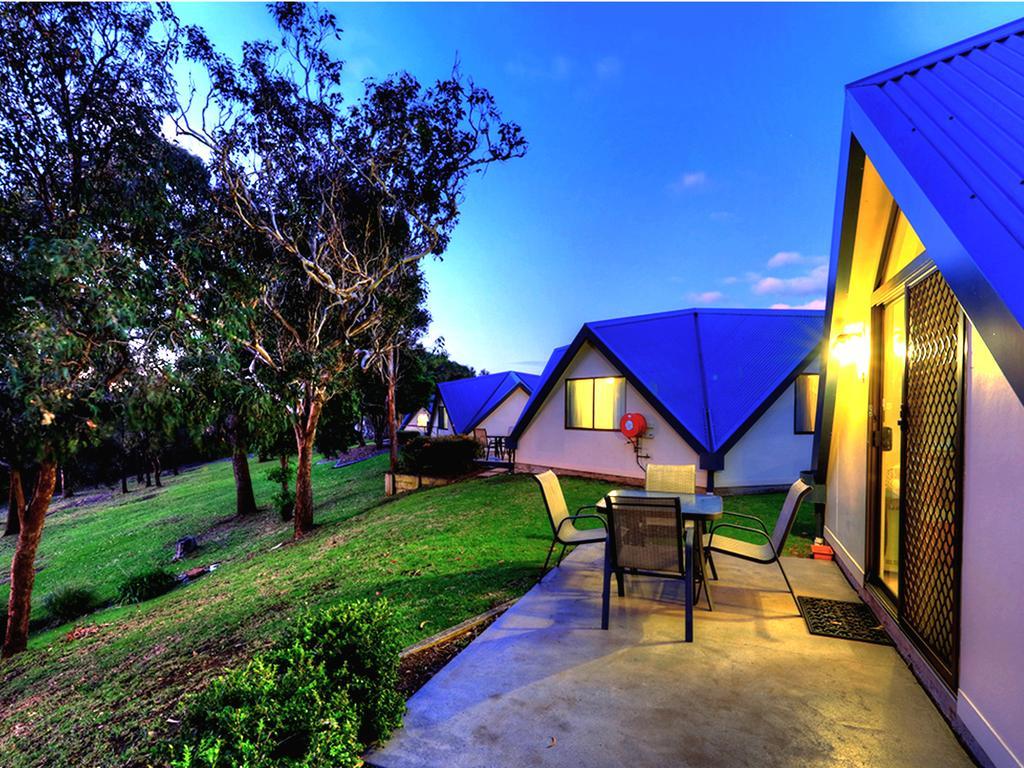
[(417, 668), (353, 455)]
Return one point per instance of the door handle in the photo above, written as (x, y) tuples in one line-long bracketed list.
[(886, 438)]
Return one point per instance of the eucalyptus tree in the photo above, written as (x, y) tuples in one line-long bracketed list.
[(345, 196), (84, 180)]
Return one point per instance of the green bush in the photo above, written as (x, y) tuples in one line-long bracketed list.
[(439, 456), (316, 700), (68, 603), (284, 499), (146, 585)]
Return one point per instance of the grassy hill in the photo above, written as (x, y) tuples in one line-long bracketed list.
[(106, 698)]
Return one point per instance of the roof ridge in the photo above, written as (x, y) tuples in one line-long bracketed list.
[(959, 48), (703, 311)]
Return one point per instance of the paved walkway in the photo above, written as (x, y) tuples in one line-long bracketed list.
[(545, 686)]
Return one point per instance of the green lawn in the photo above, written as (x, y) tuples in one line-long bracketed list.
[(440, 555)]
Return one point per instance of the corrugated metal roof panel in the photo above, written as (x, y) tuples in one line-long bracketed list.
[(709, 369), (468, 401), (955, 120), (747, 357), (661, 351)]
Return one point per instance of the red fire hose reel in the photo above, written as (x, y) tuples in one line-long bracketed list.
[(633, 426)]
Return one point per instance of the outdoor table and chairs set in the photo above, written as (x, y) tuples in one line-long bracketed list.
[(666, 530)]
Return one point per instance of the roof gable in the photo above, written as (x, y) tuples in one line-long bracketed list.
[(710, 373), (945, 133), (469, 401)]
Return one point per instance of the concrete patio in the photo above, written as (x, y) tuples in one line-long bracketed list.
[(545, 686)]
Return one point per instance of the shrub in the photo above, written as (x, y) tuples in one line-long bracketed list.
[(439, 456), (146, 585), (316, 700), (284, 499), (405, 435), (68, 603)]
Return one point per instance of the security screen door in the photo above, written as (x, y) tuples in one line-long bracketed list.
[(918, 465)]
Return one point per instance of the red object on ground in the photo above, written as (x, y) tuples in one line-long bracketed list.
[(822, 551), (633, 425)]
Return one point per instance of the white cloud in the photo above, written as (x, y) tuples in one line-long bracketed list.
[(813, 281), (730, 280), (609, 67), (782, 258), (706, 297), (812, 304), (689, 180)]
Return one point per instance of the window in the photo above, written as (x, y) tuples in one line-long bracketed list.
[(442, 417), (806, 406), (595, 403)]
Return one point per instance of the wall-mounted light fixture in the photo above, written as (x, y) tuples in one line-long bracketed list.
[(850, 347)]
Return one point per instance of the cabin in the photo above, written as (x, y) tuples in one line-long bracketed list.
[(731, 391), (921, 409), (416, 421), (491, 402)]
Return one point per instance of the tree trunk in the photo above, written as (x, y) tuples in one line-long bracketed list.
[(124, 481), (305, 435), (245, 499), (156, 472), (284, 473), (15, 503), (23, 572), (392, 377), (149, 479)]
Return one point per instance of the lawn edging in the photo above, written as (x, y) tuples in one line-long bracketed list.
[(446, 635)]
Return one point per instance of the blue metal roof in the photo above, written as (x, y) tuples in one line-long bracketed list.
[(946, 133), (709, 372), (469, 401)]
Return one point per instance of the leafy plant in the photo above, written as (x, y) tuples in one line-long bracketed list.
[(315, 700), (68, 603), (146, 585), (284, 499), (439, 456)]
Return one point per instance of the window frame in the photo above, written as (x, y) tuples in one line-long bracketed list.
[(442, 417), (796, 405), (593, 402)]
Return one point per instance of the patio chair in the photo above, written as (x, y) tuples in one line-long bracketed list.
[(674, 478), (563, 528), (764, 553), (646, 537)]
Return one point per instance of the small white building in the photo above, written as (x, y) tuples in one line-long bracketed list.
[(492, 402), (921, 453), (732, 391), (417, 421)]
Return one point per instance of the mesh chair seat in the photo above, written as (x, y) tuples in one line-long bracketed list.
[(570, 534), (760, 553)]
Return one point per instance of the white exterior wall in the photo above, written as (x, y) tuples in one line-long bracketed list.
[(990, 695), (990, 699), (501, 420), (768, 454), (547, 443)]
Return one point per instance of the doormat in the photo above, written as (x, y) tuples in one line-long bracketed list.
[(837, 618)]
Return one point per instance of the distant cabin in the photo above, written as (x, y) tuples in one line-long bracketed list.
[(732, 391), (417, 421), (492, 402)]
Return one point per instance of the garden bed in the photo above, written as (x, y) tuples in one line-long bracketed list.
[(422, 661)]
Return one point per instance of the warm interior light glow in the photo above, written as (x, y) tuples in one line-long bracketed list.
[(851, 348)]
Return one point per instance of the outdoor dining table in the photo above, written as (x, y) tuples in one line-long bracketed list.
[(698, 508)]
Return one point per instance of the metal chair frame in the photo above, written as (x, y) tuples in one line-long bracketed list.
[(684, 553), (761, 530), (556, 529)]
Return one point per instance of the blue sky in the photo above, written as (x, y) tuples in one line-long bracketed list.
[(680, 155)]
